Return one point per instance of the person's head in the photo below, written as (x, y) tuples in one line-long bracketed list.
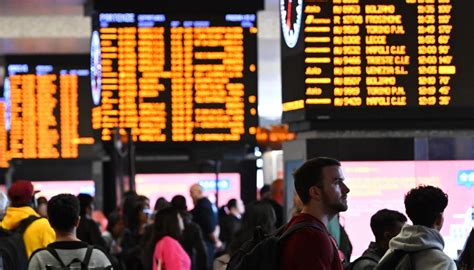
[(319, 183), (115, 224), (137, 216), (21, 193), (385, 225), (265, 192), (3, 204), (168, 222), (236, 207), (261, 214), (144, 200), (276, 191), (196, 192), (42, 206), (466, 259), (425, 205), (86, 202), (63, 213), (179, 202), (161, 203)]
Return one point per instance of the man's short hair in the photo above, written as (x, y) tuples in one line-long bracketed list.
[(63, 212), (232, 203), (424, 204), (85, 201), (385, 220), (311, 174)]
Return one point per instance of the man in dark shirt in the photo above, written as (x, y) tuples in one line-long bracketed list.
[(88, 231), (320, 185), (276, 200), (205, 215)]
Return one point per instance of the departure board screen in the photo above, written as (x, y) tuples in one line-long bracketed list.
[(48, 107), (175, 78), (369, 59), (4, 157)]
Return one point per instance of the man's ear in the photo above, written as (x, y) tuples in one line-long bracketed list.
[(439, 222), (315, 193)]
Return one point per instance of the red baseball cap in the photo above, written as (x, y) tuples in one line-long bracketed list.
[(21, 192)]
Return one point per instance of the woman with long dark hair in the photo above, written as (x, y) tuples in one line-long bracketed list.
[(167, 251), (466, 259)]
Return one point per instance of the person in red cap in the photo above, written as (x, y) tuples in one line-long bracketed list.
[(39, 234)]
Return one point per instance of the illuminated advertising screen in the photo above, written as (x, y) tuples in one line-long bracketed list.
[(48, 106), (175, 78), (378, 185), (51, 188), (167, 186), (377, 60)]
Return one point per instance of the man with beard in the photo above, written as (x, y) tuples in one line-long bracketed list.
[(319, 183)]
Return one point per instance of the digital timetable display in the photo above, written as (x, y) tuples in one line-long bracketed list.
[(369, 59), (175, 78), (48, 107), (4, 157)]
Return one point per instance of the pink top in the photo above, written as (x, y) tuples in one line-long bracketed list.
[(171, 255)]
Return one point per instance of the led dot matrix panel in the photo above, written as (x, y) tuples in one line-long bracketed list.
[(372, 59), (48, 106), (175, 78)]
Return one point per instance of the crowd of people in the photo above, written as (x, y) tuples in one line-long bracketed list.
[(62, 232)]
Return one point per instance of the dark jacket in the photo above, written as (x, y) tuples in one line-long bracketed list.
[(369, 258), (89, 232), (193, 243), (230, 225)]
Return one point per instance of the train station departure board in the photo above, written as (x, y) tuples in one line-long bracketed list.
[(371, 59), (48, 106), (4, 156), (175, 78)]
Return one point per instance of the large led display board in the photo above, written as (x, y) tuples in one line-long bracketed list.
[(377, 60), (4, 156), (378, 185), (175, 78), (48, 107), (155, 186)]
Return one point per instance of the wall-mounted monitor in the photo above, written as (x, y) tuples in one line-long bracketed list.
[(155, 186), (383, 64), (375, 185), (175, 78), (48, 106)]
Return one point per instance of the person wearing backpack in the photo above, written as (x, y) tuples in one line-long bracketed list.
[(420, 246), (67, 252), (385, 225), (320, 185), (39, 233)]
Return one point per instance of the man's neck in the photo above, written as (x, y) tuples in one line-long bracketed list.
[(236, 214), (318, 213), (66, 236)]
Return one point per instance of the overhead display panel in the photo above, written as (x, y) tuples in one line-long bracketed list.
[(377, 60), (4, 156), (48, 107), (175, 78)]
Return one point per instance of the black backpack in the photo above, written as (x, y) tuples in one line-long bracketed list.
[(262, 252), (84, 263), (361, 258), (12, 247)]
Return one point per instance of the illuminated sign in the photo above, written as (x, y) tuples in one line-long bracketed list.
[(376, 60), (4, 155), (48, 111), (174, 78)]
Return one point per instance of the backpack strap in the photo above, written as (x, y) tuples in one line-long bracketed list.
[(87, 257), (25, 223), (55, 255)]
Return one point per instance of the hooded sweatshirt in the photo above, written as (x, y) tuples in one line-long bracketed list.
[(425, 245), (38, 235)]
